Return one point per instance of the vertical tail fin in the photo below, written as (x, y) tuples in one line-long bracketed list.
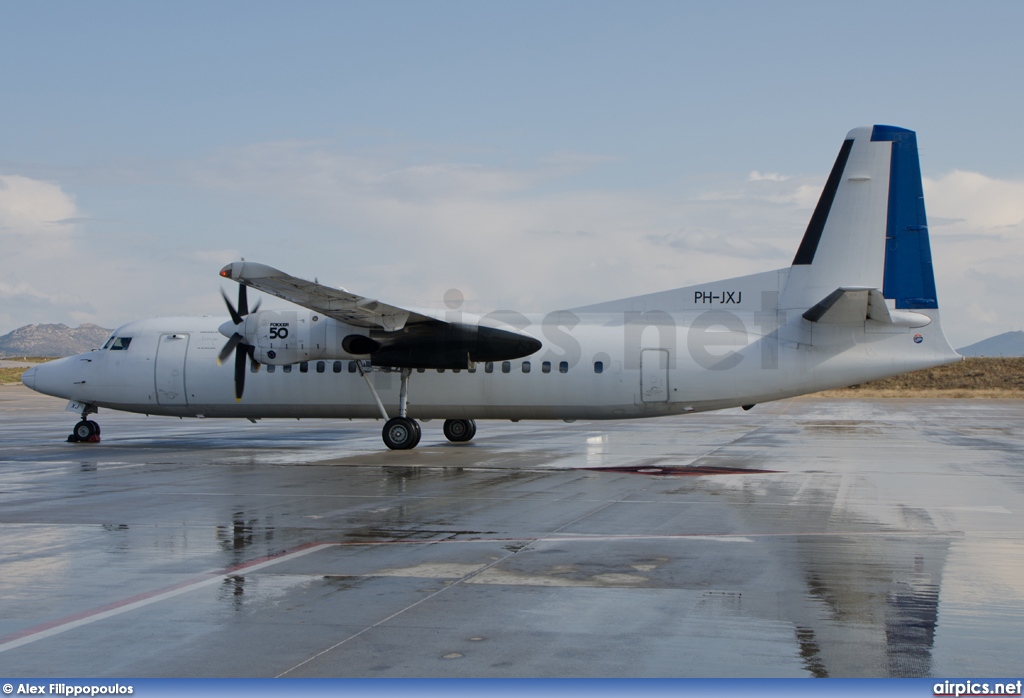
[(869, 228)]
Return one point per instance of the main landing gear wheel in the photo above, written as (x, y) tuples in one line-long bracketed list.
[(459, 430), (401, 434), (86, 430)]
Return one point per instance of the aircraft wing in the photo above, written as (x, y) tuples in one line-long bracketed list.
[(427, 339), (337, 303)]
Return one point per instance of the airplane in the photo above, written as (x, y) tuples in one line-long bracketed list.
[(858, 303)]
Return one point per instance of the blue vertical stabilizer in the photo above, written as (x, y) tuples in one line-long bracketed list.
[(908, 279)]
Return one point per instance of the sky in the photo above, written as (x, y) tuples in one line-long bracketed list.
[(533, 155)]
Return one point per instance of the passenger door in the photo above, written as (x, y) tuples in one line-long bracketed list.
[(170, 369)]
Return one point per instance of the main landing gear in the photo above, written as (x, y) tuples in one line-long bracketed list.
[(459, 430), (86, 431), (402, 432)]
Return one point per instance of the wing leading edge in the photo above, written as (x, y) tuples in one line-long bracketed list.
[(337, 303)]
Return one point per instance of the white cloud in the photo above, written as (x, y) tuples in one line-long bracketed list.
[(51, 271), (30, 207), (36, 230), (980, 202), (37, 220), (756, 176), (977, 236)]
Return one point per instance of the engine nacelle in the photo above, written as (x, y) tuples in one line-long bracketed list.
[(282, 337)]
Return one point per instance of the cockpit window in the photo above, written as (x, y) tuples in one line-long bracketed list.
[(109, 342), (120, 343)]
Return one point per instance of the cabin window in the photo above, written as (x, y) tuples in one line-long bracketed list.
[(440, 370), (271, 368), (526, 367), (545, 367), (472, 369), (456, 370), (304, 367), (598, 366), (506, 366), (421, 370), (120, 343), (563, 367), (489, 367), (320, 366), (288, 368), (351, 366), (336, 367), (253, 367)]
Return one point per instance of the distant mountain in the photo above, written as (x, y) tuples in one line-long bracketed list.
[(1006, 344), (52, 340)]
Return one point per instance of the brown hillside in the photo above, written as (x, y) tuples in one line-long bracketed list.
[(972, 377)]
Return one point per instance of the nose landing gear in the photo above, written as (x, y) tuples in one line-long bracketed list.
[(87, 430)]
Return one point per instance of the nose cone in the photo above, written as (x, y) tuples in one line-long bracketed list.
[(229, 328), (69, 378)]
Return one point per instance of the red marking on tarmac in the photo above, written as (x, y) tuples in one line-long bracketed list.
[(685, 471)]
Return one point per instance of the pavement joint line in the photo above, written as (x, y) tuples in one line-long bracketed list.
[(401, 611), (527, 542), (39, 632)]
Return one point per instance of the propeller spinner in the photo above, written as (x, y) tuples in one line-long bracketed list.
[(234, 330)]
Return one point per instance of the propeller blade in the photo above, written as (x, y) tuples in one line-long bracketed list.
[(229, 347), (256, 308), (235, 317), (243, 300), (240, 358), (254, 364)]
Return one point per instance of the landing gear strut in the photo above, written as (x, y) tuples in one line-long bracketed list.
[(400, 433), (459, 430)]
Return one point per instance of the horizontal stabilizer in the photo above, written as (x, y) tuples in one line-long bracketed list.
[(856, 305)]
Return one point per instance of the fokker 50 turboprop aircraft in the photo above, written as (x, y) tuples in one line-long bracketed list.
[(858, 303)]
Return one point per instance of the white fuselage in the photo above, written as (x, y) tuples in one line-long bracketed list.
[(610, 363)]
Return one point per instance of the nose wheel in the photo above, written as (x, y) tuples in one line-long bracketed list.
[(86, 431)]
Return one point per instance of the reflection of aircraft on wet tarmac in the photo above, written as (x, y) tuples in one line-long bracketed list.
[(858, 303)]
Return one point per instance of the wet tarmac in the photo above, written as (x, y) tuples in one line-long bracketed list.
[(808, 538)]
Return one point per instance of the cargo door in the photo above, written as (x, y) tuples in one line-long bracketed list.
[(654, 375)]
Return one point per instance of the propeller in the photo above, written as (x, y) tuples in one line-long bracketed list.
[(235, 332)]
